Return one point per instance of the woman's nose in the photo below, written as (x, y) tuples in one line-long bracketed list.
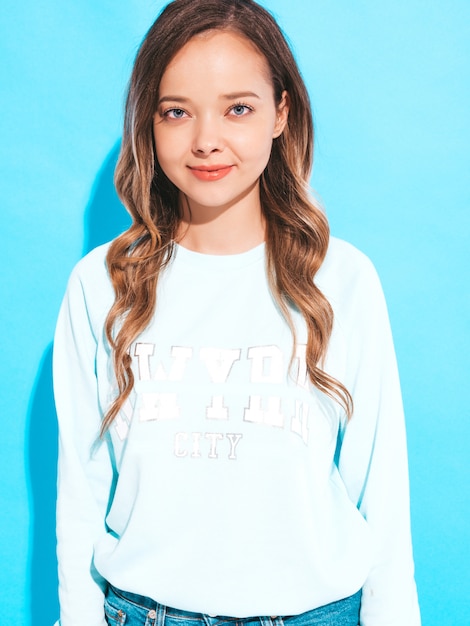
[(207, 137)]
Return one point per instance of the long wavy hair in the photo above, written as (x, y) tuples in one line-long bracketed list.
[(297, 231)]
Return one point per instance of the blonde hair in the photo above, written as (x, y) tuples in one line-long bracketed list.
[(297, 231)]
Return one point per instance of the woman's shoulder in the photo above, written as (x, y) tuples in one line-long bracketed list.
[(90, 282), (347, 274), (93, 264), (341, 252), (344, 256)]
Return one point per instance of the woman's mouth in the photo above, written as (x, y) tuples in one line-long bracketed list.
[(211, 172)]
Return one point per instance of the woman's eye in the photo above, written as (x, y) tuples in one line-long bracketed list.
[(176, 114), (240, 109)]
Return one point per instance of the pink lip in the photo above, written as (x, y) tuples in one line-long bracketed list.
[(211, 172)]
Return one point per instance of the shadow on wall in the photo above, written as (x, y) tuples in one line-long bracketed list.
[(42, 456), (105, 218)]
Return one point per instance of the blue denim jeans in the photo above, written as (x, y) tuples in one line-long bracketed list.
[(129, 609)]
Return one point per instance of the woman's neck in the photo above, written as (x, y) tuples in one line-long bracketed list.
[(227, 230)]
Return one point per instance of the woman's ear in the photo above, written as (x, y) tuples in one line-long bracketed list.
[(282, 115)]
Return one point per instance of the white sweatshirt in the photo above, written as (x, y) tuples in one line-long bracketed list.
[(228, 484)]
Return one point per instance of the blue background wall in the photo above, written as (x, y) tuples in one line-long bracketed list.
[(390, 87)]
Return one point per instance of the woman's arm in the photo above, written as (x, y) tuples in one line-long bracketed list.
[(373, 456), (85, 472)]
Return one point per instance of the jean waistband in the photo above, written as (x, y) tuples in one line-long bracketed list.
[(142, 601), (152, 605)]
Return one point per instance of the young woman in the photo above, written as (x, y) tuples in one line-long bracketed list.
[(232, 444)]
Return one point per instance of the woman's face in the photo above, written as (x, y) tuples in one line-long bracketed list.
[(216, 120)]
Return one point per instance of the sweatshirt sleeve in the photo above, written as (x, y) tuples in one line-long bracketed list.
[(373, 456), (85, 470)]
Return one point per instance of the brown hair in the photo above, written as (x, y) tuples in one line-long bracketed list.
[(297, 232)]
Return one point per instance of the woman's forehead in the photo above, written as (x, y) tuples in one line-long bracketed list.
[(226, 56)]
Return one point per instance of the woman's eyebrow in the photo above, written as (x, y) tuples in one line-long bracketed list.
[(240, 94), (172, 99), (228, 96)]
